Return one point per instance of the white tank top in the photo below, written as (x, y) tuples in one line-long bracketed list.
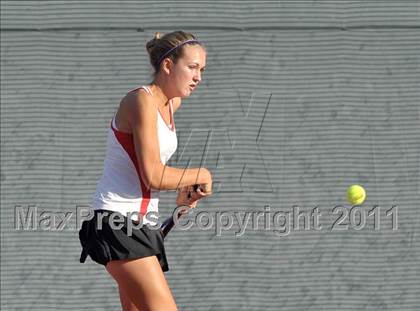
[(121, 188)]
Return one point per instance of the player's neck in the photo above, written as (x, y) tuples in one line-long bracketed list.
[(158, 90)]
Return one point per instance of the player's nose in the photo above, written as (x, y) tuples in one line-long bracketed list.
[(197, 77)]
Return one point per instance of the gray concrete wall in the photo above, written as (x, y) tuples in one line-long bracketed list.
[(301, 100)]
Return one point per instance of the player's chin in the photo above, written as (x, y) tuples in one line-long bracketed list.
[(185, 93), (189, 90)]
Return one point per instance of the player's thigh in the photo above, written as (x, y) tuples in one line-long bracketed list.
[(126, 303), (143, 282)]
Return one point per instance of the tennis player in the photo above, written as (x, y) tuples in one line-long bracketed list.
[(141, 139)]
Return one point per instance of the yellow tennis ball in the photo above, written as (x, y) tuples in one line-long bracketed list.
[(356, 194)]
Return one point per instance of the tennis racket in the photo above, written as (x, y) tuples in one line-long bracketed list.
[(169, 223)]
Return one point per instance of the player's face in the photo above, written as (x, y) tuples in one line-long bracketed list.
[(186, 73)]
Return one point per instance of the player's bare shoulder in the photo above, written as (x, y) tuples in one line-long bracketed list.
[(141, 106)]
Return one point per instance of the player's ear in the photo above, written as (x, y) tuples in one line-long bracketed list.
[(167, 65)]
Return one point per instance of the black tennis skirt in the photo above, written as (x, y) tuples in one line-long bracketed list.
[(104, 243)]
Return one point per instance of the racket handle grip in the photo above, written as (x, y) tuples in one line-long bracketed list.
[(169, 223), (167, 226)]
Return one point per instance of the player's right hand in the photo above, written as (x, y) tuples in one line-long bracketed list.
[(206, 184), (184, 197)]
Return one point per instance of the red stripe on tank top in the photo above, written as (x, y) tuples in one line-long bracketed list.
[(126, 141)]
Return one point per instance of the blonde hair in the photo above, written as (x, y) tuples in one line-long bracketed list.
[(170, 45)]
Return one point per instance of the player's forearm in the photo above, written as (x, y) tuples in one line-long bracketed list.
[(171, 178)]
